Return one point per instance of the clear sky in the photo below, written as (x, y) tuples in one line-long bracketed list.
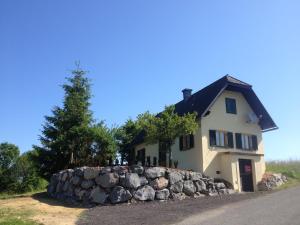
[(141, 54)]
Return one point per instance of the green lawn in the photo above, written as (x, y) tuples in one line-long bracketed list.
[(10, 216), (290, 168)]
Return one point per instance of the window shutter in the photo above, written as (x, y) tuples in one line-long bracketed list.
[(180, 143), (191, 141), (254, 142), (238, 139), (230, 140), (212, 137)]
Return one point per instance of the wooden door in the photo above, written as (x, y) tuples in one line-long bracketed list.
[(246, 176)]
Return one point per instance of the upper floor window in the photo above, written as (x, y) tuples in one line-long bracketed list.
[(246, 141), (221, 139), (230, 105), (186, 142)]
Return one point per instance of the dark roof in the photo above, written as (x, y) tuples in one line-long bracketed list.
[(202, 100)]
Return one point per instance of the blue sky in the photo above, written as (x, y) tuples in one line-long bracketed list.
[(141, 54)]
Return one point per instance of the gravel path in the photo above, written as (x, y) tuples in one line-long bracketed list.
[(152, 213)]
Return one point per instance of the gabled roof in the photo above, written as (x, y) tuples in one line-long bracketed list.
[(202, 100)]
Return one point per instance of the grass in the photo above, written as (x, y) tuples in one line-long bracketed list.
[(15, 195), (290, 168), (10, 216)]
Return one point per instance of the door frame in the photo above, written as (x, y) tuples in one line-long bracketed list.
[(252, 186)]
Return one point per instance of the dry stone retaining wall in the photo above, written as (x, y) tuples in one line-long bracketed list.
[(101, 185)]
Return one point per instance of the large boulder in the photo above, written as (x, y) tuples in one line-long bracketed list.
[(177, 187), (98, 196), (76, 180), (79, 193), (86, 184), (107, 180), (154, 172), (91, 172), (64, 176), (194, 176), (174, 177), (200, 186), (220, 186), (119, 194), (132, 180), (79, 171), (145, 193), (137, 169), (159, 183), (189, 187), (162, 194), (143, 181)]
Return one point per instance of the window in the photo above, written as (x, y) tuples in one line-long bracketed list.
[(246, 141), (154, 161), (148, 161), (141, 156), (230, 105), (221, 139), (186, 142)]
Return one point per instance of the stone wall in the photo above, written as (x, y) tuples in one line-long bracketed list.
[(103, 185), (271, 181)]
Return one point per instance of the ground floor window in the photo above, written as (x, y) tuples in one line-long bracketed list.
[(141, 156), (186, 142)]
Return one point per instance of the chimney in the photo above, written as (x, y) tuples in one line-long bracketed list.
[(186, 93)]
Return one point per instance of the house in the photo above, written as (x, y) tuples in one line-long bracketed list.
[(228, 143)]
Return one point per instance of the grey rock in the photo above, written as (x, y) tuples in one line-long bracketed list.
[(220, 186), (199, 195), (177, 187), (119, 194), (145, 193), (189, 187), (200, 186), (137, 169), (120, 170), (194, 176), (66, 186), (107, 180), (162, 194), (79, 193), (132, 180), (64, 176), (159, 183), (143, 181), (59, 187), (155, 172), (174, 177), (98, 196), (76, 180), (178, 196), (91, 173), (106, 169), (87, 184), (79, 171)]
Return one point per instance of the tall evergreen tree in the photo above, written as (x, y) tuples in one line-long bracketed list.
[(69, 136)]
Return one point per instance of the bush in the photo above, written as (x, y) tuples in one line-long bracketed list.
[(19, 173)]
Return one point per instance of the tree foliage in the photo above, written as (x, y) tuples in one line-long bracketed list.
[(18, 173), (125, 136), (70, 136), (166, 127)]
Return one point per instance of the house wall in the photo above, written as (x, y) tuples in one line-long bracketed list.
[(214, 158), (189, 159), (209, 160)]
